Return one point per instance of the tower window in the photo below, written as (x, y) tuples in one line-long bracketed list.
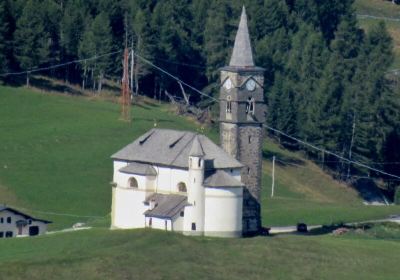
[(249, 139), (182, 214), (248, 170), (250, 106), (194, 226), (229, 104), (199, 162)]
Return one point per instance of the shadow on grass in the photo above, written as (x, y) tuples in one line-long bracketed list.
[(47, 85), (281, 159)]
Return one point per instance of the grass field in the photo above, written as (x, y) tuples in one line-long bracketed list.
[(103, 254), (54, 159)]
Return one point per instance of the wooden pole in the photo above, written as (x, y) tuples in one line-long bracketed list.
[(273, 177)]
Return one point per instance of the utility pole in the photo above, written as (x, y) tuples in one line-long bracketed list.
[(132, 67), (125, 95), (273, 176)]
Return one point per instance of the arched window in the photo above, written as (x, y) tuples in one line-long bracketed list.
[(133, 183), (229, 104), (250, 106), (182, 187)]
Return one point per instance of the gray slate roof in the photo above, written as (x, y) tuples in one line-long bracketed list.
[(139, 169), (242, 55), (221, 179), (5, 208), (167, 206), (197, 149), (172, 148)]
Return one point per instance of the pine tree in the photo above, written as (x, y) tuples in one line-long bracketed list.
[(4, 27), (97, 41), (31, 39)]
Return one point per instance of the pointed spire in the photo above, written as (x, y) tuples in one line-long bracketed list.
[(197, 149), (242, 55)]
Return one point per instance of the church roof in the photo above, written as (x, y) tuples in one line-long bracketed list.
[(242, 55), (139, 169), (221, 179), (166, 205), (172, 148), (197, 149)]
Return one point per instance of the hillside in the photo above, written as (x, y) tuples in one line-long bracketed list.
[(103, 254), (54, 158), (55, 163), (373, 11)]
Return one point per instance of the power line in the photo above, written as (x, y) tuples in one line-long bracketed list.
[(331, 153), (58, 65), (270, 128), (335, 173), (174, 77)]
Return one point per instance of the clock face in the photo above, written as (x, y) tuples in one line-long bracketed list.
[(251, 85), (228, 84)]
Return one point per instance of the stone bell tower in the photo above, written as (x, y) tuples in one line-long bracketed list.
[(242, 113)]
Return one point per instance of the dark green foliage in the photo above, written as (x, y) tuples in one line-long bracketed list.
[(32, 45), (4, 27), (325, 78)]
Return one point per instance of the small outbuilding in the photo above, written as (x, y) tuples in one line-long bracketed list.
[(14, 223)]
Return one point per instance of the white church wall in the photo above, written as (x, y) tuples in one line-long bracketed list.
[(223, 212), (128, 208), (117, 175), (158, 223), (177, 222), (168, 179)]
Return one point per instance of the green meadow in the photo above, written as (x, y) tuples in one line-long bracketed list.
[(55, 164)]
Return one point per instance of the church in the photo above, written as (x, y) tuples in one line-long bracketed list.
[(182, 181)]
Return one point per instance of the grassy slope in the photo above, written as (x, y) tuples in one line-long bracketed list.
[(55, 150), (381, 8), (101, 254), (54, 157)]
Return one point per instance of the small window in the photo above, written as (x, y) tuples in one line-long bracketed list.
[(182, 214), (133, 183), (229, 104), (250, 106), (194, 226), (1, 234), (182, 187), (1, 220), (199, 162), (248, 170), (9, 234), (9, 220), (29, 222), (249, 139)]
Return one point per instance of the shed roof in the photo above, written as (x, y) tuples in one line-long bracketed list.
[(220, 179), (167, 205), (172, 148), (139, 169)]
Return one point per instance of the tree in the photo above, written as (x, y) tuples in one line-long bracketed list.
[(4, 28), (97, 42), (31, 39)]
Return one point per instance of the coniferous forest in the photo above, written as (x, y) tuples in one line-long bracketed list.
[(326, 80)]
